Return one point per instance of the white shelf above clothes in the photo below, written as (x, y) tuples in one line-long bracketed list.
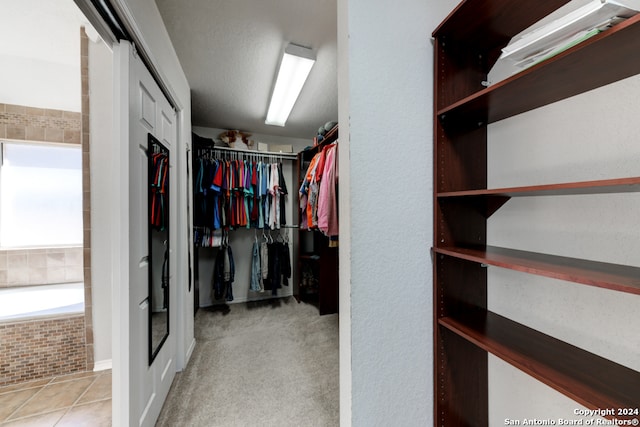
[(277, 154)]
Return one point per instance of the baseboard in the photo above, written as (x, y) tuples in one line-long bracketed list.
[(240, 300), (102, 365), (189, 352)]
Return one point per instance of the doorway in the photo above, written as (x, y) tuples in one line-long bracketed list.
[(43, 220)]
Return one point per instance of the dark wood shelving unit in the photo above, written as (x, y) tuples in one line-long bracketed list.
[(554, 79), (592, 381), (467, 44), (616, 277), (608, 186)]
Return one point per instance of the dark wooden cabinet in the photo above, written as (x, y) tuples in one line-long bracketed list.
[(467, 44), (316, 275)]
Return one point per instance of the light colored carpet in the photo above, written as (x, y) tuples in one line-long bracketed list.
[(271, 363)]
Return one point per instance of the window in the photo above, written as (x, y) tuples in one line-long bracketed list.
[(40, 195)]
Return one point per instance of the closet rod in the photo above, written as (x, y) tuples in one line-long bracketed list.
[(289, 156), (203, 227)]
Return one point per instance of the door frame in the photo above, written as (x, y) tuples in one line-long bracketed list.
[(176, 91)]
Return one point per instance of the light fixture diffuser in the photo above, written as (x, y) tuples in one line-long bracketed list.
[(294, 69)]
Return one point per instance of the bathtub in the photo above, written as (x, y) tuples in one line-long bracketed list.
[(45, 300)]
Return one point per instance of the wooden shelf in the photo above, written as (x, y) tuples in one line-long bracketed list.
[(466, 45), (591, 380), (577, 70), (600, 274), (328, 138), (622, 185), (477, 23)]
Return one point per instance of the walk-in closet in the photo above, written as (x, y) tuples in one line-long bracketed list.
[(265, 274), (242, 221), (264, 283), (265, 224)]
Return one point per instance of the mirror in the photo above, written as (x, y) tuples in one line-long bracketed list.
[(158, 199)]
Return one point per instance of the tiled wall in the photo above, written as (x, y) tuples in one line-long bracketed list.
[(26, 267), (35, 349), (52, 346), (86, 196), (23, 123)]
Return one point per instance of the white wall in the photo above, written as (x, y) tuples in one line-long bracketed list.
[(344, 204), (298, 144), (591, 136), (102, 191), (40, 54), (388, 108)]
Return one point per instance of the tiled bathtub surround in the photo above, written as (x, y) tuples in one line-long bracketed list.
[(25, 267), (33, 349), (41, 348), (75, 333)]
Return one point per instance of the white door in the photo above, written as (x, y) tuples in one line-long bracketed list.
[(141, 387)]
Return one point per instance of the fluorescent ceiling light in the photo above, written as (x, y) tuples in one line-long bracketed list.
[(294, 69)]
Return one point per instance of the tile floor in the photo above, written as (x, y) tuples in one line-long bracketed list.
[(82, 399)]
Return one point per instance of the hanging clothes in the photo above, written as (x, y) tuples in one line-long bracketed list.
[(274, 191), (165, 279), (273, 279), (285, 260), (204, 237), (264, 261), (199, 204), (237, 193), (256, 273), (328, 198), (224, 273), (260, 194), (275, 262), (308, 192), (318, 194), (234, 190), (159, 186), (282, 188)]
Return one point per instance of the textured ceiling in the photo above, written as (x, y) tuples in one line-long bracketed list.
[(230, 51)]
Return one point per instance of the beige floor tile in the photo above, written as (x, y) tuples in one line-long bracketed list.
[(9, 402), (24, 386), (74, 376), (95, 414), (43, 420), (54, 396), (99, 390)]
